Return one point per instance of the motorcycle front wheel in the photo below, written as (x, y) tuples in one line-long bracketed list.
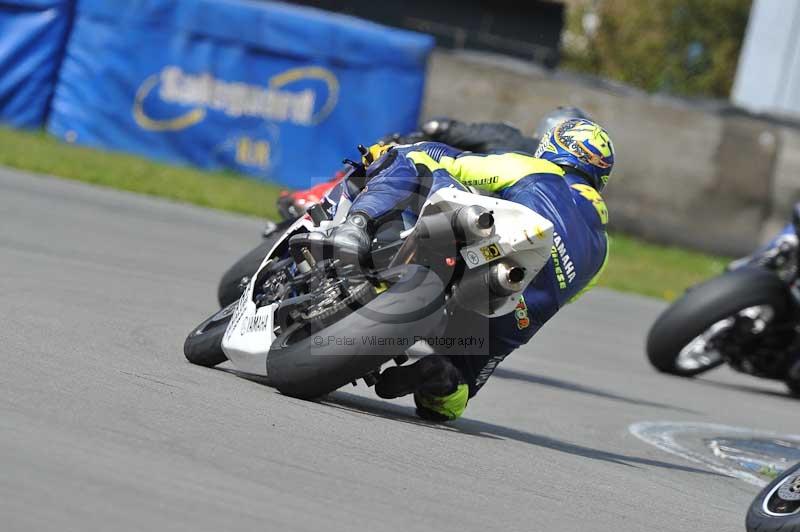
[(682, 341), (203, 346), (777, 507)]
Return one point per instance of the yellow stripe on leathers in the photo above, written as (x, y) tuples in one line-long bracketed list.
[(492, 173), (596, 200)]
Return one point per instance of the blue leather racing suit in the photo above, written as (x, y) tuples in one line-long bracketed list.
[(407, 175)]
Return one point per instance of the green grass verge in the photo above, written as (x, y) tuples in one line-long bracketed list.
[(634, 266), (39, 152), (656, 271)]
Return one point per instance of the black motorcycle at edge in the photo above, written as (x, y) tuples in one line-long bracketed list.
[(777, 507), (748, 317)]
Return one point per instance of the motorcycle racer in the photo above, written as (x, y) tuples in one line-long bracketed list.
[(480, 137), (562, 182)]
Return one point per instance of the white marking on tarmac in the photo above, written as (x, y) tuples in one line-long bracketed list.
[(662, 434)]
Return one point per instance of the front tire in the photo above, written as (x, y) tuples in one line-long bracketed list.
[(777, 507), (203, 346), (703, 308)]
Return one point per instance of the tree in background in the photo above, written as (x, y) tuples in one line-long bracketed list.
[(686, 47)]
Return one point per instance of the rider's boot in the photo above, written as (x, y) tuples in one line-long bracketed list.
[(348, 243), (440, 392)]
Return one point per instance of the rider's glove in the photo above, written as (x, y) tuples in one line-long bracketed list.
[(375, 152)]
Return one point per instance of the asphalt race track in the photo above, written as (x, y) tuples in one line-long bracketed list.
[(105, 426)]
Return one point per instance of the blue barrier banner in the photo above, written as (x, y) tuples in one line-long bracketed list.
[(32, 37), (270, 89)]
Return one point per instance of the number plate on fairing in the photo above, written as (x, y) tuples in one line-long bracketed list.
[(483, 252)]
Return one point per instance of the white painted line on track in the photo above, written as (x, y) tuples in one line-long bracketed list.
[(663, 435)]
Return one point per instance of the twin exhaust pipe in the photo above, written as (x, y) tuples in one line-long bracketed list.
[(466, 224), (475, 223)]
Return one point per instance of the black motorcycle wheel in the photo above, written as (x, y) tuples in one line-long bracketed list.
[(311, 363), (235, 279), (777, 507), (203, 346), (704, 307)]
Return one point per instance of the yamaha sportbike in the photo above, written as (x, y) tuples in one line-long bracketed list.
[(748, 317), (310, 324)]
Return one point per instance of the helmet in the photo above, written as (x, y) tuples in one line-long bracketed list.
[(581, 145), (559, 114)]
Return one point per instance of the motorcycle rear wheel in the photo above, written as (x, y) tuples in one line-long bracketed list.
[(691, 318), (312, 363)]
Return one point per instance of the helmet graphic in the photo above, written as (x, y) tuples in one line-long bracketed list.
[(581, 145), (556, 116)]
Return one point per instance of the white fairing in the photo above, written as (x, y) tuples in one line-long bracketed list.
[(522, 237), (248, 337), (251, 331)]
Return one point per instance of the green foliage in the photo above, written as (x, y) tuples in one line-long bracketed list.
[(686, 47)]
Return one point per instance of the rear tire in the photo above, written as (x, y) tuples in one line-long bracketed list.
[(324, 360), (234, 280), (770, 501), (203, 346), (705, 305)]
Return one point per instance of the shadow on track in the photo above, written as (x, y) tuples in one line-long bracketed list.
[(258, 379), (483, 429), (748, 388), (540, 380), (534, 379), (404, 414)]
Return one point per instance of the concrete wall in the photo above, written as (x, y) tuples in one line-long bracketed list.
[(691, 175)]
